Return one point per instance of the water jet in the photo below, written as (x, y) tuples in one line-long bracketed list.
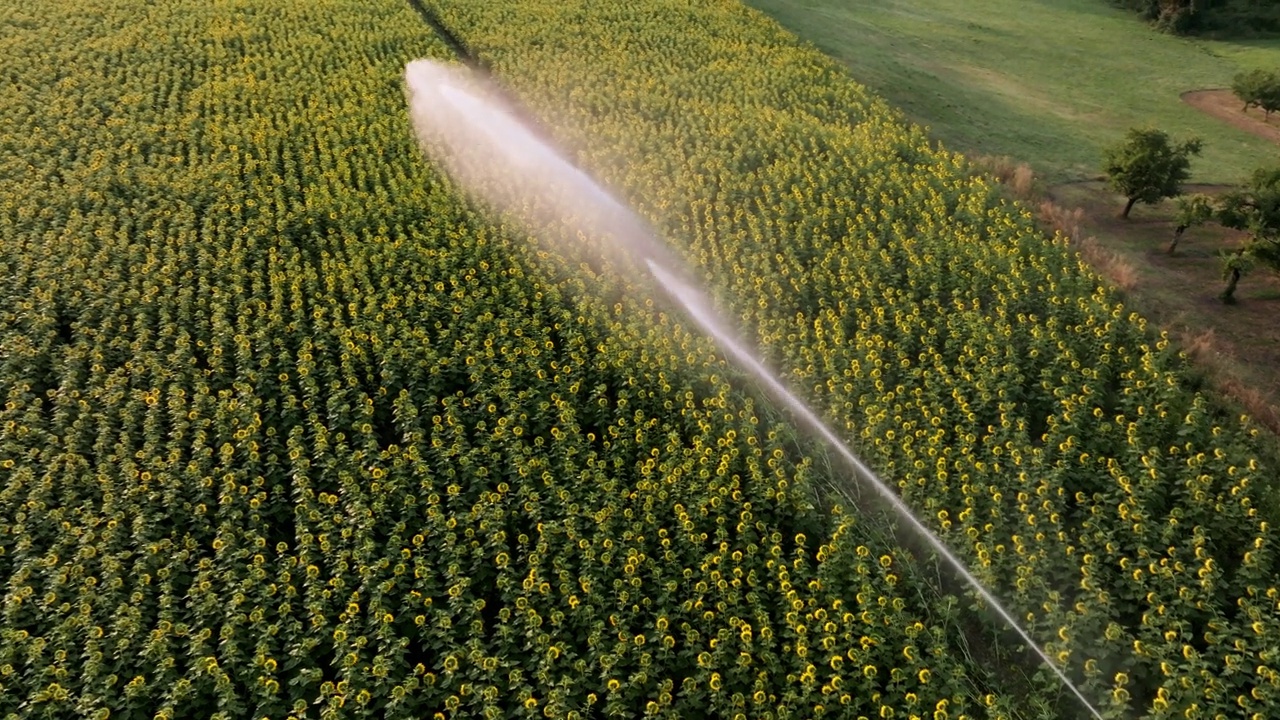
[(495, 157)]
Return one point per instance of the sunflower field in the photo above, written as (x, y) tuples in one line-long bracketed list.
[(289, 430), (292, 430), (1038, 425)]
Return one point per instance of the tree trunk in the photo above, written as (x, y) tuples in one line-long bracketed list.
[(1228, 295), (1177, 235), (1132, 201)]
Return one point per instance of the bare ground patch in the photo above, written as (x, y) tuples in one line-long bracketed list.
[(1224, 105)]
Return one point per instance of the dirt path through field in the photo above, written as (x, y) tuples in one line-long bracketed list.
[(1224, 105)]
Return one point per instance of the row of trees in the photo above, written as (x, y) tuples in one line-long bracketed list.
[(1149, 166), (1190, 17)]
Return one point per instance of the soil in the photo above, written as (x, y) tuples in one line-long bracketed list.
[(1224, 105)]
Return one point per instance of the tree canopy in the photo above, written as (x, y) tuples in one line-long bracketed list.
[(1148, 166), (1258, 88), (1192, 210), (1255, 209)]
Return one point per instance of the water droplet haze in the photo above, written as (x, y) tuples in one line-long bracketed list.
[(493, 156)]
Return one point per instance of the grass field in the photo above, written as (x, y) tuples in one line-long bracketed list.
[(1049, 83)]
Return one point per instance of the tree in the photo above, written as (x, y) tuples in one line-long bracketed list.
[(1172, 16), (1148, 167), (1235, 264), (1250, 86), (1258, 88), (1254, 209), (1192, 210)]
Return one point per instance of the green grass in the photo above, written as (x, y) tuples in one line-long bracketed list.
[(1048, 82)]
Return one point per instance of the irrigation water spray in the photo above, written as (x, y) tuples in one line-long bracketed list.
[(496, 158)]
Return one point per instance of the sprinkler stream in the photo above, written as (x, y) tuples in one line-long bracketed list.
[(496, 158)]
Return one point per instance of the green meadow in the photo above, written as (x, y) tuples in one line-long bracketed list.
[(1048, 83)]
